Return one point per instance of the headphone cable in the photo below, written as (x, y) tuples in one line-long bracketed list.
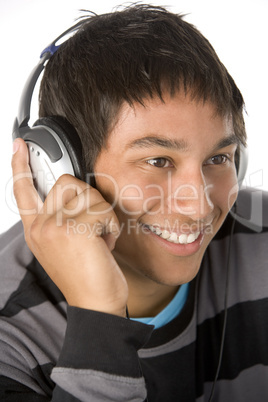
[(225, 310)]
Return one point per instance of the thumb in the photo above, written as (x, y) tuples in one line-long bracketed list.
[(27, 198)]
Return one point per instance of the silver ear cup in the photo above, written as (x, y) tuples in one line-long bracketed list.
[(46, 169), (243, 163)]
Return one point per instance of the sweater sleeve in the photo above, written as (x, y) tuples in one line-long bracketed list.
[(99, 359), (46, 355)]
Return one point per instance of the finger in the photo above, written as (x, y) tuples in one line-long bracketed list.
[(84, 203), (90, 214), (27, 198), (66, 189)]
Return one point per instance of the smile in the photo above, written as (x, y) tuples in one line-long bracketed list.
[(173, 237)]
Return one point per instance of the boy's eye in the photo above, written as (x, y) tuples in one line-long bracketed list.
[(159, 162), (217, 160)]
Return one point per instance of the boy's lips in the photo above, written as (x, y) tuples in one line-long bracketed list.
[(182, 245)]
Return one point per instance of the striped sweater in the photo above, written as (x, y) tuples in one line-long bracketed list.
[(53, 352)]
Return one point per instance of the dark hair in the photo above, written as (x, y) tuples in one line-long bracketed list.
[(128, 56)]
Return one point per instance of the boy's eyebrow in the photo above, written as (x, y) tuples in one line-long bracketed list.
[(226, 141), (151, 141), (181, 145)]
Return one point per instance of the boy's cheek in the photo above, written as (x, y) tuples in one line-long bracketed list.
[(225, 194), (137, 200)]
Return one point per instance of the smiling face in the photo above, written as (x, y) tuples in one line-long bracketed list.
[(168, 169)]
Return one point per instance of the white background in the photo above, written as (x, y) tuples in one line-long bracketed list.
[(237, 29)]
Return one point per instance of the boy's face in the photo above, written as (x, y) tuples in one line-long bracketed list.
[(169, 172)]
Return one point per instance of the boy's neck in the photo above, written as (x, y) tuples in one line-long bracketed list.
[(149, 304), (147, 298)]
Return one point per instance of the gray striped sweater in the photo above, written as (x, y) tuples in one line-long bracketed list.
[(52, 352)]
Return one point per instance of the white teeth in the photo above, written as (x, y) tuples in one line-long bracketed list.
[(158, 231), (183, 239), (191, 238), (173, 237), (165, 234)]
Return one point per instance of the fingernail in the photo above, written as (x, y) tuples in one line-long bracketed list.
[(16, 146)]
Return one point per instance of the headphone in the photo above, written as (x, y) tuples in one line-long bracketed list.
[(54, 145)]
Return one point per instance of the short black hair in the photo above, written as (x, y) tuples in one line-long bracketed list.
[(128, 56)]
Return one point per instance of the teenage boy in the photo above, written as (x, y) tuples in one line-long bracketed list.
[(120, 293)]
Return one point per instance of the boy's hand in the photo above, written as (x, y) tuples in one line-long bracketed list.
[(72, 234)]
